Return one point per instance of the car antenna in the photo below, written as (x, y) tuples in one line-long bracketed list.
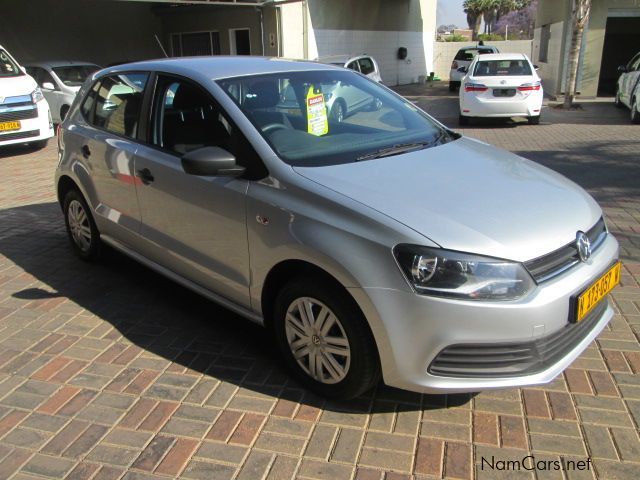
[(161, 47)]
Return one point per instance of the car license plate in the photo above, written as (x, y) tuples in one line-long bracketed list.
[(597, 291), (8, 126), (504, 92)]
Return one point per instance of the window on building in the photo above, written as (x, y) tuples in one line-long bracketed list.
[(545, 36), (193, 44)]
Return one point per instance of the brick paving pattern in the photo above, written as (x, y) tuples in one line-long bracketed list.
[(110, 371)]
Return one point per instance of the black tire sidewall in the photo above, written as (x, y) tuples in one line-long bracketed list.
[(94, 248), (364, 367)]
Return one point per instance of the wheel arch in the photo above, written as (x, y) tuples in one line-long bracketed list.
[(65, 184)]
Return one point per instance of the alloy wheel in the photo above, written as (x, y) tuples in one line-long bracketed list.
[(317, 340), (79, 225)]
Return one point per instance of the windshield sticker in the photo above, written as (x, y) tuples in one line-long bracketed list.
[(317, 121)]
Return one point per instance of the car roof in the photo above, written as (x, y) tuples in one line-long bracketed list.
[(502, 56), (478, 47), (57, 63), (219, 66)]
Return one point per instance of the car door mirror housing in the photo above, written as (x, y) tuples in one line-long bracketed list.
[(536, 67), (211, 162), (622, 69), (48, 86)]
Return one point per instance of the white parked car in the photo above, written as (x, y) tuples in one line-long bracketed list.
[(60, 81), (501, 85), (364, 64), (24, 112), (463, 59), (628, 90)]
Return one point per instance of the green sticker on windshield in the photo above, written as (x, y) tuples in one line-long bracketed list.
[(317, 121)]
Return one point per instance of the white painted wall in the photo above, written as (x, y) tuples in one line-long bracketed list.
[(550, 71), (291, 16), (444, 52)]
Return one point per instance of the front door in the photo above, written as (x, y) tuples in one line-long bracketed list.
[(194, 225)]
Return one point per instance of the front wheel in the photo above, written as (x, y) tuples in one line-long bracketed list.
[(325, 339), (81, 228)]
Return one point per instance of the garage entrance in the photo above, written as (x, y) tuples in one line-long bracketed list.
[(621, 43)]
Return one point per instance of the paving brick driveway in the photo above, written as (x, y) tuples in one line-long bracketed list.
[(109, 371)]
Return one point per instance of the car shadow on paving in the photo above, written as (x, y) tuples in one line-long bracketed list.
[(169, 320)]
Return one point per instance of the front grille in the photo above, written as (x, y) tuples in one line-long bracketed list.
[(548, 266), (19, 115), (18, 135), (514, 359)]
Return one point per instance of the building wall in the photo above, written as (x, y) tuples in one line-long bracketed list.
[(557, 14), (444, 52), (375, 27), (203, 18), (99, 31)]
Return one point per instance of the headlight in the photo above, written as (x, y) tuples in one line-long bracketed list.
[(36, 95), (443, 273)]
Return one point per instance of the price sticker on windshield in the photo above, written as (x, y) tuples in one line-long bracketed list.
[(317, 121)]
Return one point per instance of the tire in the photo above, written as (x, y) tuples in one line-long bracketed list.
[(338, 112), (63, 112), (81, 229), (338, 376), (535, 120), (635, 112), (617, 101), (463, 121), (453, 86)]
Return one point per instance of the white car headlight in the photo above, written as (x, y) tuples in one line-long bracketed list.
[(444, 273), (36, 95)]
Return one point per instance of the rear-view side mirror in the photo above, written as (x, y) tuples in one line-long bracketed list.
[(536, 67), (48, 86), (622, 69), (211, 162)]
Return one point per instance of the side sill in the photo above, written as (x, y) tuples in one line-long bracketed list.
[(242, 311)]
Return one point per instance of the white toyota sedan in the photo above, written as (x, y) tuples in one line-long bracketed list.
[(501, 85)]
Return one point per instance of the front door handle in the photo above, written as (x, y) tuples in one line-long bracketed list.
[(145, 176), (86, 153)]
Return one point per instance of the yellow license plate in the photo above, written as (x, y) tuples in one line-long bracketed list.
[(7, 126), (596, 292)]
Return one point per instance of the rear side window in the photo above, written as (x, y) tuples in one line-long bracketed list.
[(366, 66), (353, 66), (500, 68), (118, 101)]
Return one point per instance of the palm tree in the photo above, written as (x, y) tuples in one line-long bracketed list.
[(473, 9)]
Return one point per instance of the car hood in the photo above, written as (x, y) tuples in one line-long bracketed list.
[(469, 196), (15, 86)]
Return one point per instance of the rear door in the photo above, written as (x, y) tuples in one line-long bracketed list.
[(104, 140), (193, 225)]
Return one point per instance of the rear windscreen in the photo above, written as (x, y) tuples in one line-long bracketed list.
[(499, 68), (467, 54)]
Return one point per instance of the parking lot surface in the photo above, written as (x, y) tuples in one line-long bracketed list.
[(109, 371)]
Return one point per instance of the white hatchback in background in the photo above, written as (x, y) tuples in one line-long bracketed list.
[(60, 81), (463, 59), (501, 85), (364, 64)]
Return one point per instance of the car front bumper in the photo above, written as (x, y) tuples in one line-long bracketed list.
[(411, 330), (31, 129)]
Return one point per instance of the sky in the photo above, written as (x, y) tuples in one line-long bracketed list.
[(450, 12)]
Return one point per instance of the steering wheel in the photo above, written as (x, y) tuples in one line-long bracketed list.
[(272, 127)]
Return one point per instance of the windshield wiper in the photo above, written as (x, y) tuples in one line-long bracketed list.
[(395, 150)]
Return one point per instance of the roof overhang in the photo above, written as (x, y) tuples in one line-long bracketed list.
[(226, 3)]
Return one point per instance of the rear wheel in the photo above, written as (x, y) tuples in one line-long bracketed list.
[(635, 111), (462, 120), (325, 339), (81, 228), (534, 120), (453, 86)]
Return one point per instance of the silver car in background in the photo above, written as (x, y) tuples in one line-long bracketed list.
[(628, 87), (60, 82), (385, 245)]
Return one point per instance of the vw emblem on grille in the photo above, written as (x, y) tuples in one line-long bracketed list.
[(584, 246)]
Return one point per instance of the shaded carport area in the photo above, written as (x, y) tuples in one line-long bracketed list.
[(107, 32), (621, 43)]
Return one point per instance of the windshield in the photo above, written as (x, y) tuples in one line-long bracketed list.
[(499, 68), (8, 68), (74, 75), (330, 117)]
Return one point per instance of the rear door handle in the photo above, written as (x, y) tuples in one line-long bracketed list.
[(86, 153), (145, 175)]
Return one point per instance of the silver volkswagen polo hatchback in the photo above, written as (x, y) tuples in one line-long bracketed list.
[(382, 246)]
